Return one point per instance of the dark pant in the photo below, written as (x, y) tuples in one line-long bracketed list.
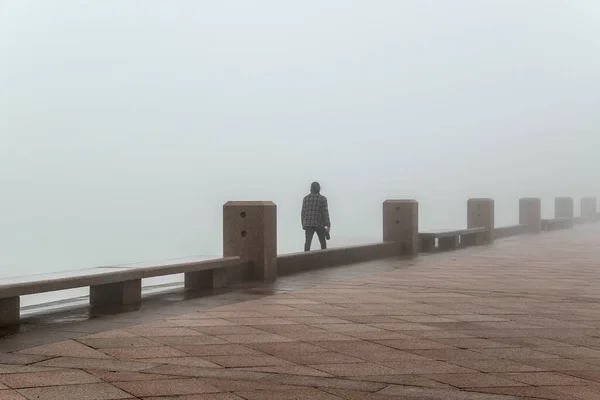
[(310, 231)]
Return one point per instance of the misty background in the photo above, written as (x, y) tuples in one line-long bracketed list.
[(125, 125)]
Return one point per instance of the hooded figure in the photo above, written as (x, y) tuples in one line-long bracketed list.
[(315, 217)]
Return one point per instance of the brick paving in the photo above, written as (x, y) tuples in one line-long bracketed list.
[(516, 320)]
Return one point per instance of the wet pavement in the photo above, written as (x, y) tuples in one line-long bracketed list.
[(516, 320)]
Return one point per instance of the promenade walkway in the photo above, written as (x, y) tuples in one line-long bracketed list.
[(516, 320)]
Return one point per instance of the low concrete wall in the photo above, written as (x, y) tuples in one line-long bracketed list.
[(288, 264), (554, 224), (510, 230)]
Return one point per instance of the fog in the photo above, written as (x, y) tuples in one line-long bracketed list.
[(125, 125)]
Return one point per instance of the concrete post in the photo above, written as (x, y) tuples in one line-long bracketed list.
[(250, 232), (589, 210), (563, 207), (10, 311), (480, 214), (401, 224), (116, 294), (530, 214)]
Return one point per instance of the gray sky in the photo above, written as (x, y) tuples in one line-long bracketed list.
[(125, 125)]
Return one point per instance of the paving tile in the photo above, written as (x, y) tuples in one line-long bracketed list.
[(203, 322), (517, 353), (476, 318), (532, 342), (227, 330), (300, 394), (354, 369), (414, 344), (108, 343), (317, 320), (98, 391), (437, 394), (525, 392), (19, 369), (167, 387), (113, 376), (21, 359), (290, 313), (544, 378), (288, 369), (211, 396), (112, 334), (424, 318), (190, 361), (278, 349), (405, 326), (426, 367), (10, 395), (473, 380), (170, 331), (433, 335), (260, 321), (217, 350), (235, 314), (196, 372), (255, 338), (403, 379), (355, 395), (348, 328), (451, 354), (246, 360), (134, 353), (228, 385), (320, 336), (368, 351), (92, 363), (474, 343), (353, 383), (321, 358), (68, 348), (49, 378), (578, 392), (495, 365), (559, 364), (379, 335), (571, 352), (187, 340), (592, 375)]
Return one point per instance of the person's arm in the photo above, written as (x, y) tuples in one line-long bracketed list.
[(326, 220), (303, 213)]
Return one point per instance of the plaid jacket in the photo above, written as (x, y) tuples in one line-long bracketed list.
[(315, 211)]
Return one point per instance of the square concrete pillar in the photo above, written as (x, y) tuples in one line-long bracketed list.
[(401, 224), (250, 232), (480, 214), (10, 311), (118, 293), (589, 208), (530, 214), (563, 207)]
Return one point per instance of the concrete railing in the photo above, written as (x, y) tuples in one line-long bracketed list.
[(288, 264), (250, 250), (509, 230)]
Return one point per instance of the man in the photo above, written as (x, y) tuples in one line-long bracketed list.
[(315, 217)]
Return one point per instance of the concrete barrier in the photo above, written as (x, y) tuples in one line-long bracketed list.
[(288, 264), (511, 230)]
